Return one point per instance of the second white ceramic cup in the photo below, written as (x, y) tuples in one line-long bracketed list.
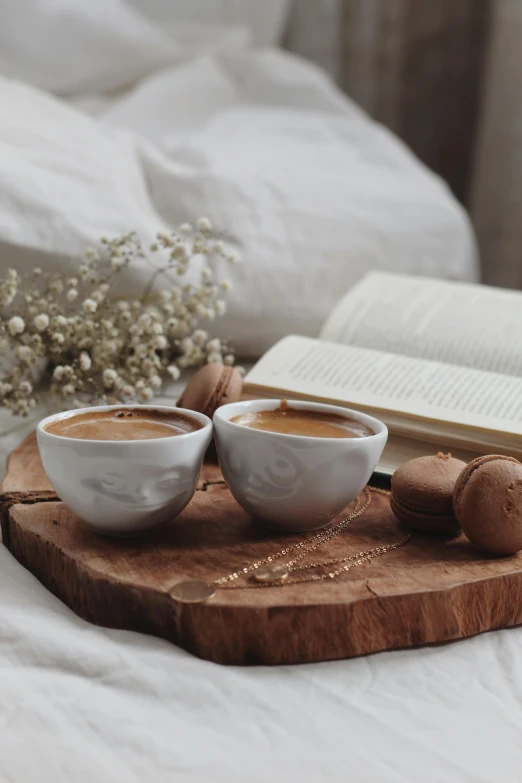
[(124, 488), (294, 482)]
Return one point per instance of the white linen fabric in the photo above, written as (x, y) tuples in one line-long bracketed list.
[(70, 46), (303, 182)]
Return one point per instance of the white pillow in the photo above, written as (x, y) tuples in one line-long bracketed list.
[(312, 191), (70, 46)]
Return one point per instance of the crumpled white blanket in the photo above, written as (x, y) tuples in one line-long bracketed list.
[(310, 190)]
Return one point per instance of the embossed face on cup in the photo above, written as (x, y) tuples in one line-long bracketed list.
[(124, 470), (142, 486), (124, 424), (295, 466), (288, 420)]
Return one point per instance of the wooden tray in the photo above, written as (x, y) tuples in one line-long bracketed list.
[(426, 591)]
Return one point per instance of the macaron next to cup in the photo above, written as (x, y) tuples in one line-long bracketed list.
[(212, 386), (441, 495), (488, 503), (422, 494)]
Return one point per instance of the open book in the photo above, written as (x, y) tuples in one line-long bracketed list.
[(439, 362)]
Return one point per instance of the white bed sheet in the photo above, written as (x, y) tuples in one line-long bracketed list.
[(81, 703)]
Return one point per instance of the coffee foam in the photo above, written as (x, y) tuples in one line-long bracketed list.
[(124, 424)]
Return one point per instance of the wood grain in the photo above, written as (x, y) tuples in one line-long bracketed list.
[(427, 591)]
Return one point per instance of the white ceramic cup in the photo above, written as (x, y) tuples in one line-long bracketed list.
[(294, 482), (124, 488)]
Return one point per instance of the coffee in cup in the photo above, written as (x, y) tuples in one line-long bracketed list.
[(288, 420), (124, 424)]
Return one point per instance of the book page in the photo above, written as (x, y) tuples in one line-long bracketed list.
[(456, 323), (399, 384)]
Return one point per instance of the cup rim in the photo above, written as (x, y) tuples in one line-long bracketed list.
[(201, 417), (378, 427)]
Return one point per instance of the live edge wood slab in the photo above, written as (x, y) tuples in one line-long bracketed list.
[(426, 591)]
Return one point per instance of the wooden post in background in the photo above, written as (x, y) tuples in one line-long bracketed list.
[(415, 65)]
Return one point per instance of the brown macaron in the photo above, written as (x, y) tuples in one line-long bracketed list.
[(422, 494), (212, 386), (488, 503)]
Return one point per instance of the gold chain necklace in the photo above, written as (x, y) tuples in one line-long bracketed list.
[(277, 575)]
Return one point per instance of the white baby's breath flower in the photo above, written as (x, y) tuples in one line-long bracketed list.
[(180, 253), (173, 371), (16, 325), (85, 361), (7, 294), (187, 345), (241, 370), (25, 353), (89, 306), (229, 359), (25, 388), (204, 225), (199, 336), (124, 354), (160, 342), (109, 378), (145, 321), (213, 345), (56, 286)]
